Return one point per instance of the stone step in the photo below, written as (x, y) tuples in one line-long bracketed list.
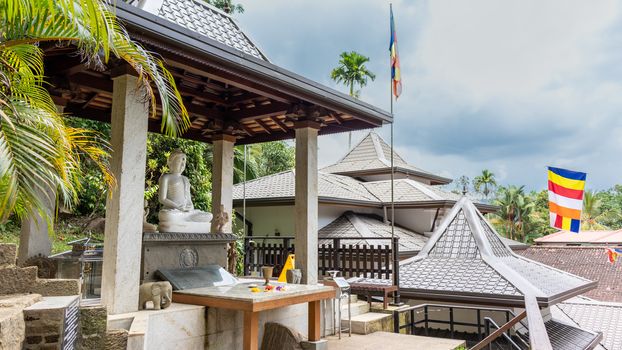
[(357, 308), (370, 322), (8, 254)]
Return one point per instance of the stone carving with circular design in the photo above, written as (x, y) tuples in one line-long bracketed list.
[(188, 258)]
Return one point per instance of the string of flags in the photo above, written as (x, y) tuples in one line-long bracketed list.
[(613, 254), (566, 188)]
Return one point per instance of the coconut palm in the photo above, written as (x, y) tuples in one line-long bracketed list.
[(515, 207), (485, 182), (39, 153), (352, 71), (592, 213)]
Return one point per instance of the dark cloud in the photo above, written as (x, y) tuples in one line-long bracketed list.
[(512, 88)]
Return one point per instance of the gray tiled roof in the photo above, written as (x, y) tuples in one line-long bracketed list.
[(206, 20), (282, 185), (466, 256), (373, 153), (567, 337), (407, 190), (362, 225), (595, 316), (335, 186)]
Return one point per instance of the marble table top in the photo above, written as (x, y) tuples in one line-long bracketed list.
[(242, 292)]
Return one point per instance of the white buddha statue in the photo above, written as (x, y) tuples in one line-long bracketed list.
[(178, 213)]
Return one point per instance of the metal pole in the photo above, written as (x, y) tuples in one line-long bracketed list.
[(396, 297)]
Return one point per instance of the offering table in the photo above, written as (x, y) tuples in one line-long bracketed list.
[(240, 297)]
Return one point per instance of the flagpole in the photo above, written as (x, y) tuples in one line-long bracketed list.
[(395, 247)]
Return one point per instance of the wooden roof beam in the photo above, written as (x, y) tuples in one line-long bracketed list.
[(259, 112)]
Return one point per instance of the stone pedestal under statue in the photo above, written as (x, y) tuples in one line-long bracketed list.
[(183, 250)]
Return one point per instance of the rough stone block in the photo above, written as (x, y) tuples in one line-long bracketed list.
[(8, 254), (15, 280), (12, 327), (56, 287), (93, 320), (116, 339), (278, 336)]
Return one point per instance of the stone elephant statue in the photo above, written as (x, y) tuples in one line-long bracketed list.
[(160, 293)]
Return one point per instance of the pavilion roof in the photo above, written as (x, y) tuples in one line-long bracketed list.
[(351, 224), (465, 259), (226, 82), (333, 188), (205, 19), (372, 156)]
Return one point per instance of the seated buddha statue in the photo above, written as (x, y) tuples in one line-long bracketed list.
[(178, 213)]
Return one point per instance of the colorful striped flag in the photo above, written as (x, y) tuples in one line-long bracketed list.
[(566, 198), (396, 76), (613, 254)]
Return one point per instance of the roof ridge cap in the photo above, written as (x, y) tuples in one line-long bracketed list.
[(423, 188)]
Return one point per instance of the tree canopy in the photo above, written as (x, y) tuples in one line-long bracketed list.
[(352, 71), (39, 154)]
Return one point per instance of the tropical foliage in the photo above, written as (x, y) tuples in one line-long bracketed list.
[(485, 183), (39, 153), (226, 5), (352, 71)]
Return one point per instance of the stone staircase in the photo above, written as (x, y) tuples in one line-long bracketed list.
[(366, 319), (24, 280)]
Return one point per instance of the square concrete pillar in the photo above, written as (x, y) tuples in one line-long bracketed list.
[(35, 231), (306, 207), (222, 177), (124, 207), (34, 236)]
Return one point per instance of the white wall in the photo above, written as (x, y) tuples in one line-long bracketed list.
[(418, 220), (266, 220)]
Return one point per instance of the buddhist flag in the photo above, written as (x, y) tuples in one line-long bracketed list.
[(566, 198), (396, 77), (613, 254)]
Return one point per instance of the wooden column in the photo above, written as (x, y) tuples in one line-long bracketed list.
[(306, 206), (124, 207), (251, 330), (222, 176)]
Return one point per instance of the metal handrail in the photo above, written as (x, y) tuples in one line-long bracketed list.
[(490, 321), (427, 308)]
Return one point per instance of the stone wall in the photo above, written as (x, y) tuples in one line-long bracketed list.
[(51, 322), (23, 280), (12, 326)]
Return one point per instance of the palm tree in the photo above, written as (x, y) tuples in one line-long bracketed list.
[(39, 153), (352, 71), (485, 182), (515, 207), (592, 212)]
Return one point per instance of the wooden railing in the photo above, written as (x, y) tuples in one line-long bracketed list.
[(352, 260)]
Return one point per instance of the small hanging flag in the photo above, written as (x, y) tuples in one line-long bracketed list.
[(566, 198), (396, 76), (613, 254)]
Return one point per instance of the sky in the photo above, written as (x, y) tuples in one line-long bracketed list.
[(509, 86)]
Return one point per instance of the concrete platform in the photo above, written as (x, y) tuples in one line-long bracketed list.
[(393, 341)]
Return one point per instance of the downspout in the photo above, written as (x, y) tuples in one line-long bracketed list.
[(435, 218)]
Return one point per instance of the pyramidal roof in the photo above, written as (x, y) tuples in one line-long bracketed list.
[(372, 156), (466, 259), (362, 226), (205, 20)]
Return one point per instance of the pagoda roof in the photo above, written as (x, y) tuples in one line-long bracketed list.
[(466, 260), (205, 19), (372, 156)]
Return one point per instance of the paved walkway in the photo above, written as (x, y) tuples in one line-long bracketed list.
[(393, 341)]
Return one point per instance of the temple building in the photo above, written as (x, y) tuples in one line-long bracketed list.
[(354, 199)]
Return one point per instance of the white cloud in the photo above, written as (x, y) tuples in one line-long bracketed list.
[(511, 86)]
